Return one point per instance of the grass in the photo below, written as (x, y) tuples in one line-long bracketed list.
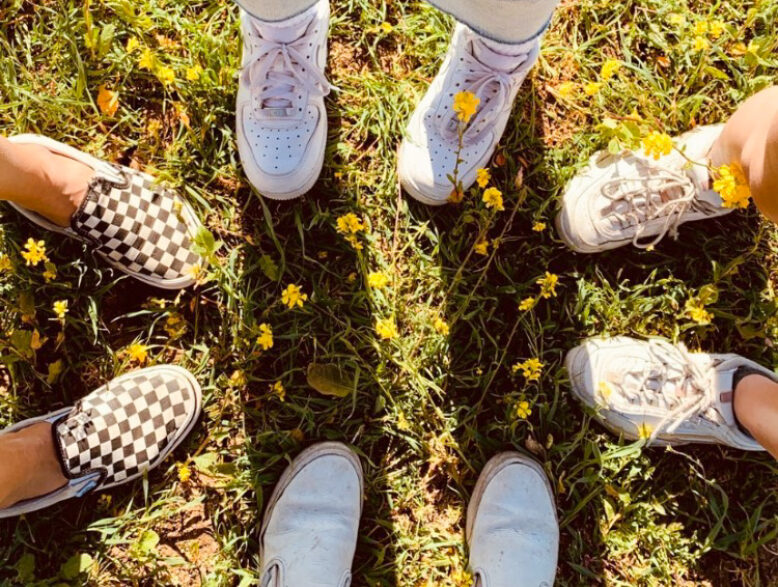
[(425, 410)]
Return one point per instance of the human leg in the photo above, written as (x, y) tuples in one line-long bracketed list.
[(39, 180), (750, 139)]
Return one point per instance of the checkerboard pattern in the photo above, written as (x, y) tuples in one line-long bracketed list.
[(138, 225), (123, 427)]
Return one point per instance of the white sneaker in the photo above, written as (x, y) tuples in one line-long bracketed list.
[(309, 533), (490, 70), (660, 391), (281, 120), (632, 198), (512, 527)]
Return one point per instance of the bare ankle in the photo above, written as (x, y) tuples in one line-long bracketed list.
[(754, 395), (70, 181), (36, 471)]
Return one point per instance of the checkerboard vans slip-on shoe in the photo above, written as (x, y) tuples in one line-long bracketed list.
[(133, 223), (118, 432)]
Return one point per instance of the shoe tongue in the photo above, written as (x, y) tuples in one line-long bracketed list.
[(500, 56), (286, 33)]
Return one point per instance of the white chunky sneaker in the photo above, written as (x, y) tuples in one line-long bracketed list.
[(633, 198), (660, 391), (490, 70), (281, 120), (309, 533), (512, 528)]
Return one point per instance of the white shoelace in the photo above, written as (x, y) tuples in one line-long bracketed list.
[(661, 193), (494, 88), (674, 381), (279, 72)]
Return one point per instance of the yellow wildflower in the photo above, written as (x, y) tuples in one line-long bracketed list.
[(644, 431), (482, 247), (165, 74), (147, 59), (238, 378), (493, 199), (700, 27), (548, 285), (279, 389), (5, 262), (292, 296), (440, 326), (466, 105), (697, 312), (265, 338), (539, 226), (386, 328), (132, 44), (34, 253), (715, 29), (60, 308), (566, 89), (531, 369), (523, 410), (526, 304), (732, 186), (349, 225), (377, 280), (657, 144), (610, 68), (483, 177), (387, 27), (193, 73), (700, 44), (138, 352), (184, 473), (592, 88)]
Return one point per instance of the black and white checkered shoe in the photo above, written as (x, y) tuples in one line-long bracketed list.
[(117, 432), (137, 226)]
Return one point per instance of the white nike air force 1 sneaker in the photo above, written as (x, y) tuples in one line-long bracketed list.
[(281, 120), (490, 70)]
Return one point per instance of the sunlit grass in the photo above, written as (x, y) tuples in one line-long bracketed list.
[(426, 408)]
